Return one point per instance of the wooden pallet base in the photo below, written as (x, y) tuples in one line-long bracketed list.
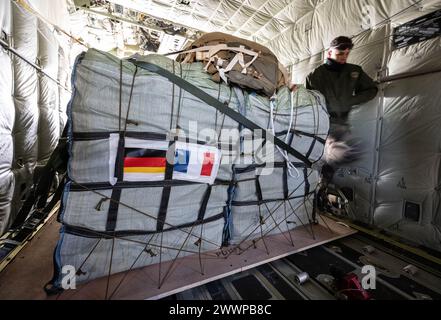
[(26, 276)]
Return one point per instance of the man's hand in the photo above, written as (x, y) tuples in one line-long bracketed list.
[(292, 86)]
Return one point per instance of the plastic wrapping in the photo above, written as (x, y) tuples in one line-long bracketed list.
[(64, 79), (26, 101), (5, 17), (49, 122), (7, 114)]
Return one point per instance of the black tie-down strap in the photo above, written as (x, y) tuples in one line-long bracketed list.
[(39, 194), (204, 203), (112, 214), (221, 107), (165, 198), (285, 182)]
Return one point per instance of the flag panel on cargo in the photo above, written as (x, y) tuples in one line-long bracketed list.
[(195, 162), (146, 160)]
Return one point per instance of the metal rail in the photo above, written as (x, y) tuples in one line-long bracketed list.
[(7, 47)]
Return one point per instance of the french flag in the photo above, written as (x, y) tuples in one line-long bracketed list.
[(196, 162)]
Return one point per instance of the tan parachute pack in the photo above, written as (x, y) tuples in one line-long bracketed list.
[(237, 61)]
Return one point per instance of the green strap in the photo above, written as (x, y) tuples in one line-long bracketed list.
[(222, 107)]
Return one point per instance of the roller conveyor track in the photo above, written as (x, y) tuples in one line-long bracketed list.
[(276, 280)]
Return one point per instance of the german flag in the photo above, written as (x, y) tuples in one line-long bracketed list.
[(144, 161)]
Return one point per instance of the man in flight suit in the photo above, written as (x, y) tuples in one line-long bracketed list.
[(343, 85)]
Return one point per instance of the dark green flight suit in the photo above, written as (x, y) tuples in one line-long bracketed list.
[(343, 85)]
